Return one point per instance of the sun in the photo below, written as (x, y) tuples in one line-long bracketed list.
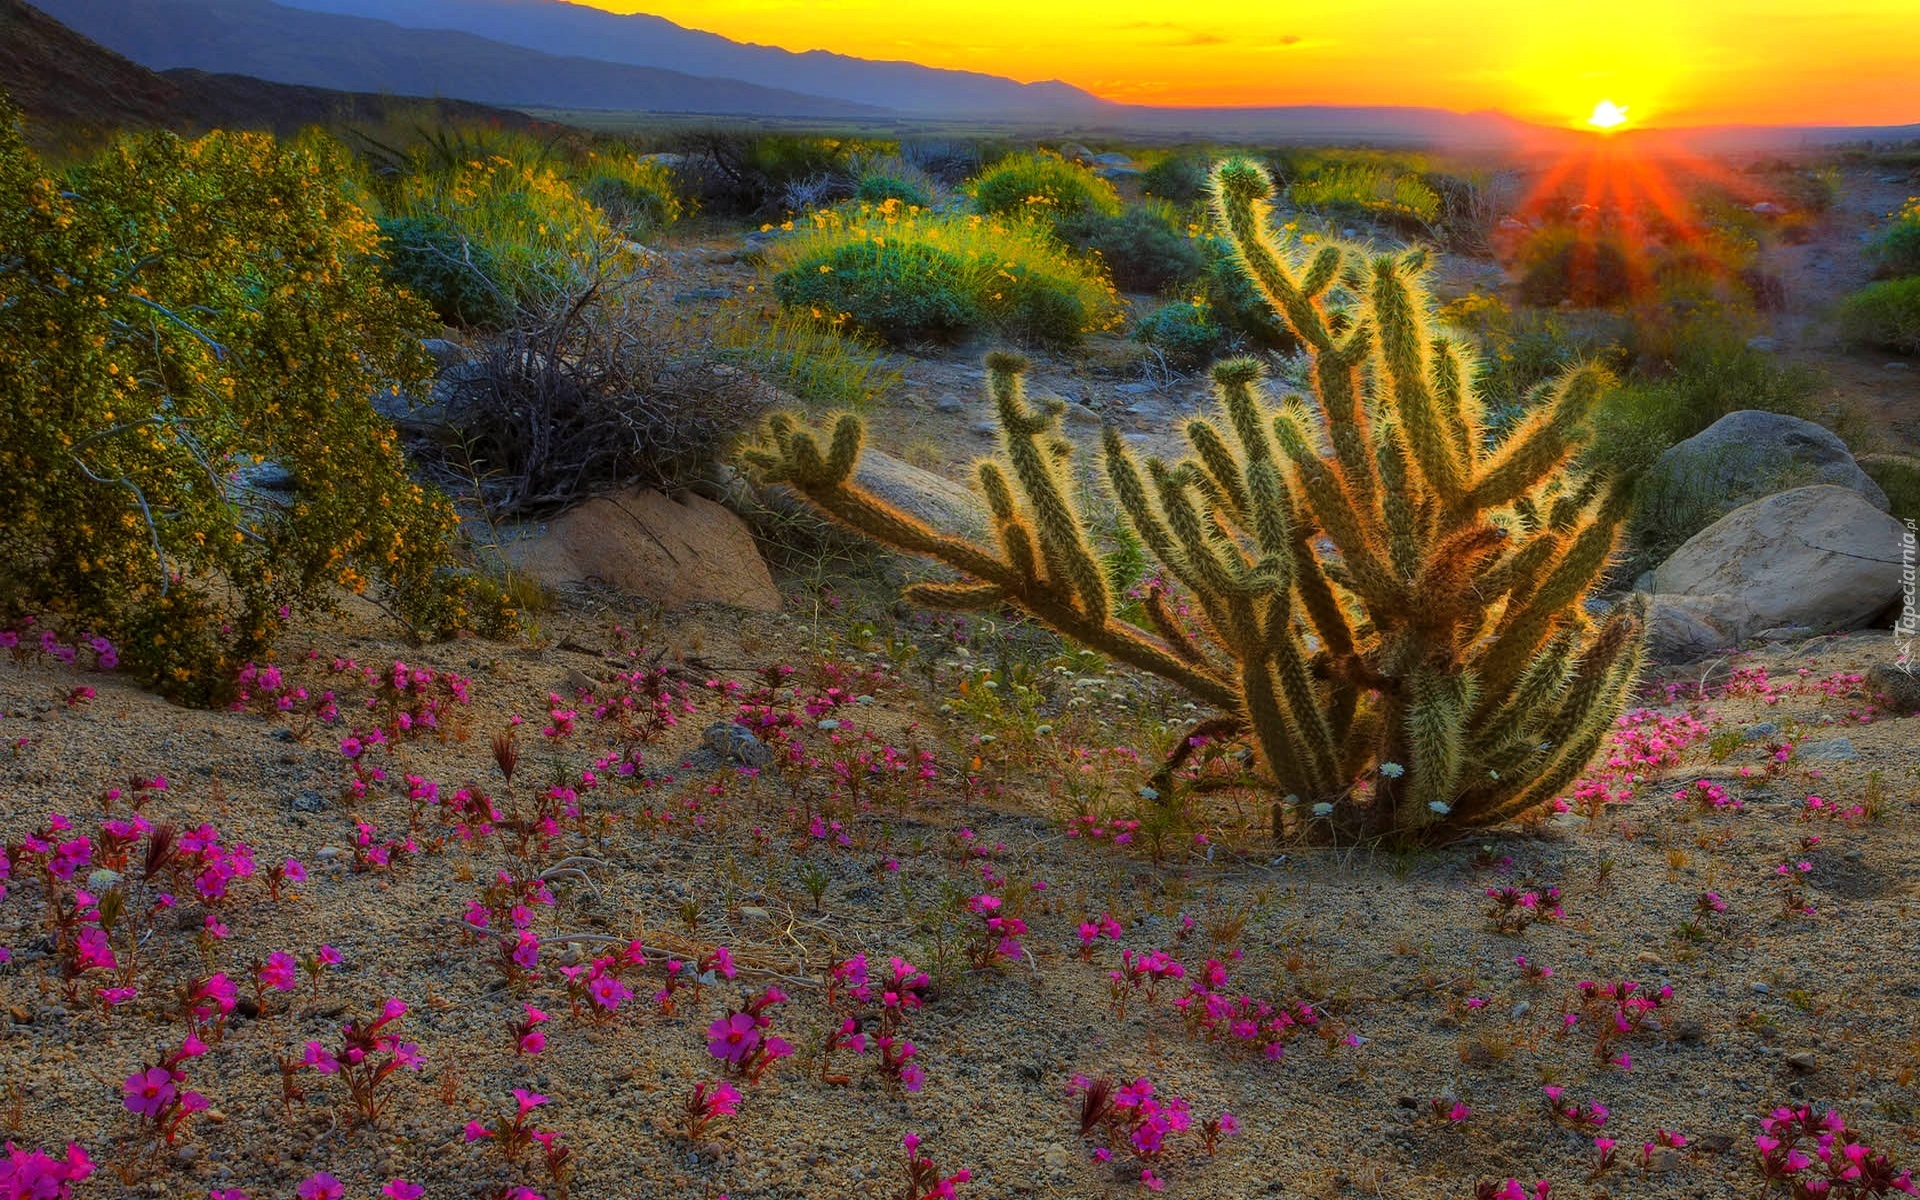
[(1608, 116)]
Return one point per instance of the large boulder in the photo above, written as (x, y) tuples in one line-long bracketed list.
[(672, 551), (1819, 558), (1750, 454), (940, 502)]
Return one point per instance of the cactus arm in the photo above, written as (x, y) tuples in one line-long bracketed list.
[(1061, 533), (1403, 339)]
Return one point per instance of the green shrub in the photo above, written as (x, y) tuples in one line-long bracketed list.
[(878, 189), (1177, 178), (895, 291), (1521, 350), (1146, 248), (1712, 374), (744, 172), (897, 273), (1184, 331), (1367, 190), (543, 236), (820, 365), (458, 278), (1589, 267), (1885, 315), (1044, 187), (1896, 251), (1899, 477), (636, 195), (169, 314)]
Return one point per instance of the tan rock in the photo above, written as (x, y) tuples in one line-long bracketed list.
[(674, 552), (1822, 557)]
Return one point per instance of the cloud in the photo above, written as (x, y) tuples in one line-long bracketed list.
[(1169, 33)]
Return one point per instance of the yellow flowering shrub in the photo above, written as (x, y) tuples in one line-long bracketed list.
[(541, 235), (1044, 187), (171, 314), (898, 271)]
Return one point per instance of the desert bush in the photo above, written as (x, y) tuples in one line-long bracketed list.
[(741, 172), (1145, 249), (170, 313), (878, 189), (1184, 331), (1043, 187), (816, 361), (1176, 178), (636, 195), (897, 273), (894, 290), (1899, 477), (457, 277), (1472, 201), (1711, 373), (1367, 190), (1439, 653), (1799, 189), (1885, 315), (545, 239), (1896, 249), (951, 161), (1582, 265), (590, 393), (1522, 350)]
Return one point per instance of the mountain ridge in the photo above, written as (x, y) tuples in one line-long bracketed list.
[(641, 39), (288, 45)]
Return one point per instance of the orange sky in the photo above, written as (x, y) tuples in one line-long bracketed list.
[(1853, 62)]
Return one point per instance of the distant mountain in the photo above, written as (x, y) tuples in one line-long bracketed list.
[(66, 84), (288, 45), (559, 27)]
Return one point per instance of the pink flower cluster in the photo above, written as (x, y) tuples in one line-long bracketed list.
[(924, 1181), (158, 1096), (1245, 1023), (1515, 908), (741, 1038), (1131, 1117), (1105, 927), (1815, 1154), (1141, 973), (367, 1057), (998, 937), (36, 1175), (1571, 1114), (21, 642), (1616, 1011), (1117, 830), (708, 1102)]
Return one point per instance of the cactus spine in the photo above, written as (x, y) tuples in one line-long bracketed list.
[(1392, 608)]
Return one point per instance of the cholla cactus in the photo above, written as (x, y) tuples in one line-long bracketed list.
[(1391, 606)]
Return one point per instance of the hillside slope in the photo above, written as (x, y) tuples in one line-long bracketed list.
[(59, 77), (286, 45), (66, 83)]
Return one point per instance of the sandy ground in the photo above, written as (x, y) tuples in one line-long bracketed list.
[(1397, 955)]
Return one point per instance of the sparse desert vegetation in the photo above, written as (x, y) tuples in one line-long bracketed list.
[(698, 659)]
